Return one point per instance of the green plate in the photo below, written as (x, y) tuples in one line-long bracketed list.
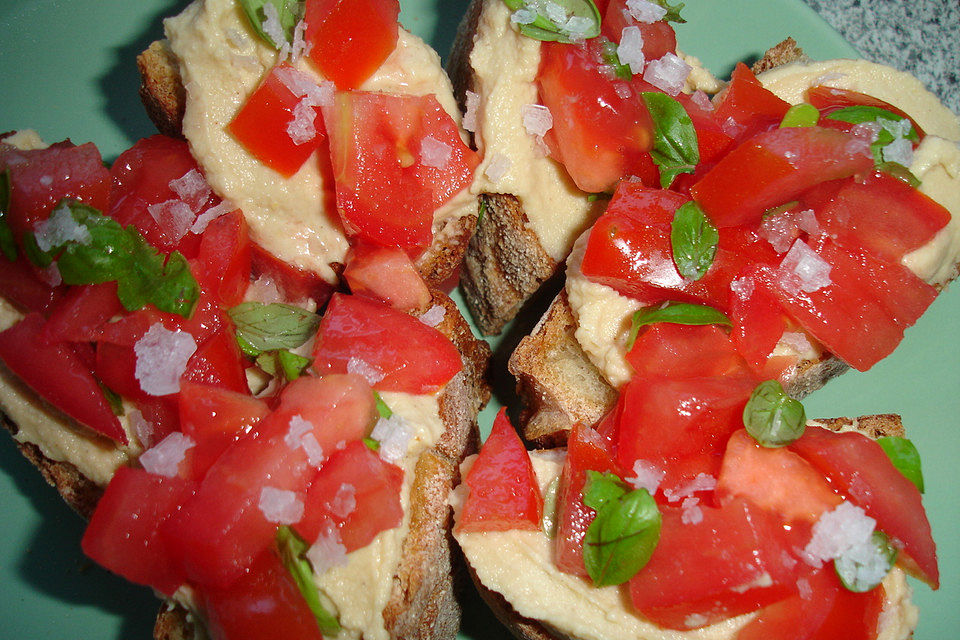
[(67, 70)]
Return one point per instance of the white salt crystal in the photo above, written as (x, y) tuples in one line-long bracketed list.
[(51, 275), (555, 13), (327, 552), (645, 11), (623, 90), (703, 482), (647, 476), (779, 230), (702, 100), (899, 151), (692, 513), (803, 268), (280, 505), (838, 531), (577, 27), (303, 86), (498, 167), (394, 435), (668, 74), (142, 428), (298, 428), (271, 25), (175, 218), (192, 188), (797, 342), (523, 16), (60, 228), (695, 620), (311, 446), (364, 369), (433, 316), (204, 219), (344, 502), (471, 113), (630, 49), (435, 153), (301, 127), (264, 290), (300, 46), (742, 287), (165, 457), (162, 357), (537, 119)]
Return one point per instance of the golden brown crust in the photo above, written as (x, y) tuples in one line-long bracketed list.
[(175, 623), (161, 88), (784, 52)]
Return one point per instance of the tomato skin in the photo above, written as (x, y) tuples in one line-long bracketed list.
[(351, 38), (218, 362), (262, 604), (223, 263), (758, 321), (858, 469), (658, 37), (830, 99), (123, 534), (20, 286), (775, 167), (746, 107), (73, 389), (684, 351), (75, 172), (293, 283), (376, 488), (387, 274), (78, 316), (413, 357), (504, 493), (586, 451), (713, 569)]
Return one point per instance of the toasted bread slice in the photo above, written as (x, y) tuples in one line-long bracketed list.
[(422, 604), (897, 619)]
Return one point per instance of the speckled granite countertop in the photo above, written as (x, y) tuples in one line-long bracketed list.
[(919, 36)]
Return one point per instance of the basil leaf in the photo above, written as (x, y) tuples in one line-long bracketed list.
[(675, 148), (694, 240), (558, 20), (373, 445), (773, 418), (859, 114), (115, 253), (269, 327), (292, 550), (676, 313), (858, 569), (783, 208), (548, 523), (7, 244), (904, 457), (673, 11), (292, 364), (482, 209), (800, 115), (288, 11), (622, 537), (113, 399), (900, 172), (382, 408), (609, 54), (267, 361), (248, 349)]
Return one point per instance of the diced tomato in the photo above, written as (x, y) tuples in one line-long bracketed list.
[(263, 604), (80, 314), (737, 559), (712, 142), (658, 37), (350, 39), (775, 167), (162, 413), (223, 263), (758, 321), (796, 617), (56, 373), (217, 362), (141, 177), (40, 178), (411, 356), (746, 108), (684, 351), (116, 359), (775, 479), (598, 135), (504, 493), (20, 286), (357, 493), (586, 451), (263, 124), (219, 532), (882, 214), (214, 418), (829, 99), (680, 426), (396, 159), (387, 274), (859, 469), (123, 534), (294, 284)]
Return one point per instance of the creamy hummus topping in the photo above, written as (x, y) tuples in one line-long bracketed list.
[(222, 61), (518, 565), (603, 314)]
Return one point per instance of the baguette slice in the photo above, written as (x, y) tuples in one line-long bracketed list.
[(422, 604), (899, 614)]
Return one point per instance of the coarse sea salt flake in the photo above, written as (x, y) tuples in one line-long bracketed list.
[(204, 219), (344, 502), (61, 227), (327, 552), (435, 153), (471, 112), (804, 268), (498, 167), (668, 73), (298, 428), (702, 100), (311, 446), (796, 342), (703, 482), (364, 369), (175, 217), (280, 505), (695, 620), (142, 428), (271, 25), (647, 476), (838, 531), (301, 128), (523, 16), (537, 119), (162, 357), (742, 287), (300, 46), (630, 49), (899, 151), (192, 188), (394, 435), (433, 316), (165, 457), (577, 27), (556, 13), (645, 11), (692, 513)]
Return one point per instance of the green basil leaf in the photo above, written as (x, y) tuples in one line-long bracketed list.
[(556, 28), (247, 348), (609, 54), (623, 535), (861, 574), (113, 399), (676, 313), (673, 11), (601, 488), (859, 114), (373, 445), (481, 209), (269, 327), (783, 208), (675, 148), (800, 115), (292, 550), (905, 457), (900, 172), (694, 241), (773, 418), (292, 364), (267, 361), (382, 408), (7, 244), (548, 523), (288, 11)]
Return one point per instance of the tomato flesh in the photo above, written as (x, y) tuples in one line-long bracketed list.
[(830, 99), (387, 274), (746, 108)]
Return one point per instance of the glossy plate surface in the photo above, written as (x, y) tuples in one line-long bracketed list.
[(67, 70)]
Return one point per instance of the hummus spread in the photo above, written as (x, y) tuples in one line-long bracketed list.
[(518, 565), (221, 62), (505, 66), (603, 315)]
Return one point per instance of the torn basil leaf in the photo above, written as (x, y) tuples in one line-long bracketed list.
[(905, 457), (382, 408), (673, 11), (675, 148), (899, 172), (610, 57), (677, 313), (556, 20), (860, 114), (292, 550), (800, 115), (268, 327), (289, 13), (7, 244), (624, 533), (773, 418), (373, 445), (694, 240), (864, 567)]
